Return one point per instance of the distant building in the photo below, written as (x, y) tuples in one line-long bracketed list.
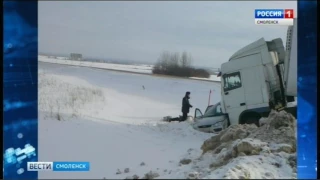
[(75, 56)]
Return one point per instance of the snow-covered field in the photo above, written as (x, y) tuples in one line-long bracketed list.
[(144, 69), (129, 68), (109, 120)]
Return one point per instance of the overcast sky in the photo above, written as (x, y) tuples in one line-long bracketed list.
[(211, 31)]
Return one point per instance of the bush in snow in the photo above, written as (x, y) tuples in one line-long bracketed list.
[(175, 65), (133, 177), (193, 175), (126, 170), (60, 99), (118, 171), (185, 161), (151, 175)]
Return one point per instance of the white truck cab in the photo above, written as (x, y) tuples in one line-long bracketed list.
[(258, 78), (250, 81)]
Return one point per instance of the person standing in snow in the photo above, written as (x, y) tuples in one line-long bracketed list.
[(185, 106)]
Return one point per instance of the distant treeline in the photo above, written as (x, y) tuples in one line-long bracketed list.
[(175, 64)]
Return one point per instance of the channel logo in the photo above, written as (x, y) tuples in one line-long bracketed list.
[(58, 166), (282, 17)]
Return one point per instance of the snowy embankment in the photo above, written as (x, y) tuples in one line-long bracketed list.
[(122, 136), (249, 152), (143, 69)]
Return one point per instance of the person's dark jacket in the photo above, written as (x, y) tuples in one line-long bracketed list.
[(186, 105)]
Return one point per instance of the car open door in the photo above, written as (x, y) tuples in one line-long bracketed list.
[(213, 120), (197, 114)]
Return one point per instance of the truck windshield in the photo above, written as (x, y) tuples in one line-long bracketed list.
[(214, 110), (231, 81)]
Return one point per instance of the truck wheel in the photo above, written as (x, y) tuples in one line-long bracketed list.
[(252, 120)]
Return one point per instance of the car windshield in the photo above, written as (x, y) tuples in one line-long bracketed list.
[(213, 111)]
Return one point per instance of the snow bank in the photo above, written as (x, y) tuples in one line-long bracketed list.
[(248, 152)]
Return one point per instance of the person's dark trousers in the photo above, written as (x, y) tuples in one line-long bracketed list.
[(184, 116)]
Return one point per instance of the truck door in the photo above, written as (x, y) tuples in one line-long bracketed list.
[(255, 90), (233, 95)]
